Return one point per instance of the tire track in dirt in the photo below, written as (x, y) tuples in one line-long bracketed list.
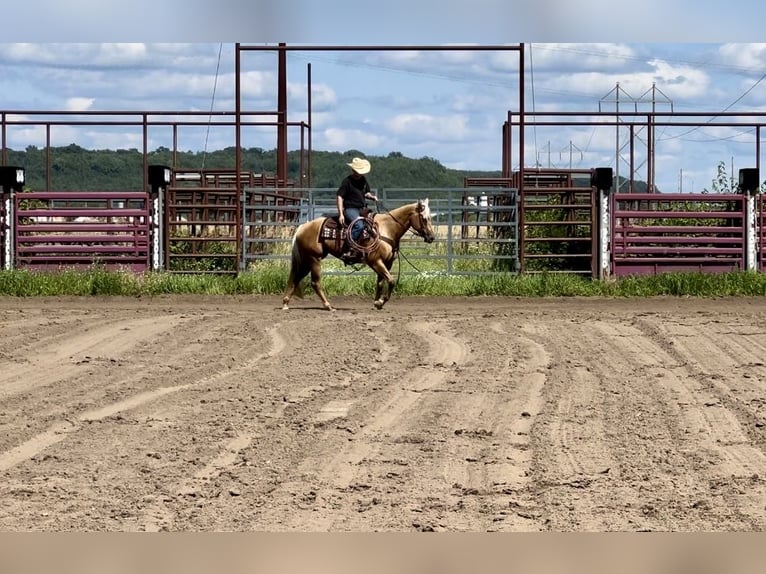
[(342, 476), (622, 438), (339, 408), (60, 431), (310, 403), (491, 445), (568, 443), (443, 350), (730, 448), (69, 353), (23, 326), (319, 395), (116, 468), (651, 463), (106, 376), (156, 515)]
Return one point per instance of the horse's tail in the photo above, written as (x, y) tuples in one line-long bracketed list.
[(297, 273)]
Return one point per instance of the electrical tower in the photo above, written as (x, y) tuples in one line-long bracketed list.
[(642, 134)]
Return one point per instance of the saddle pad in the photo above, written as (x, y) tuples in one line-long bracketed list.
[(330, 229)]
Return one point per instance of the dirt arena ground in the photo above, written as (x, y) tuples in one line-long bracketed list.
[(477, 414)]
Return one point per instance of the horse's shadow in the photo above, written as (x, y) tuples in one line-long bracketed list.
[(318, 308)]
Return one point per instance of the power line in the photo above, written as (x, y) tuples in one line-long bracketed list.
[(727, 108), (212, 102)]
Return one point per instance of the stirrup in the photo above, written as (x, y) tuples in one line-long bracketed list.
[(353, 256)]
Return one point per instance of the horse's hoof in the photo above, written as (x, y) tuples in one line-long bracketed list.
[(379, 304), (285, 307)]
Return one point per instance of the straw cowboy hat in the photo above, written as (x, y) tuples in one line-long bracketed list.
[(359, 165)]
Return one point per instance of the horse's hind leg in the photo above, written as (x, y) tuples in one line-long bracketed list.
[(288, 296), (316, 278), (297, 274)]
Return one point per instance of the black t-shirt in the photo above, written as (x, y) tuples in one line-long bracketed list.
[(352, 191)]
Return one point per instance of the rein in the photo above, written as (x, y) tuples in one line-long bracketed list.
[(397, 252)]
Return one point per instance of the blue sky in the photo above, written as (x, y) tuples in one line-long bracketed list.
[(446, 105)]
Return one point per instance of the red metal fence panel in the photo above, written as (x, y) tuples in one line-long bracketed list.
[(55, 230), (655, 233)]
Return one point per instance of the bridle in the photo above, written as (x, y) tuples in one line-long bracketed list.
[(421, 221)]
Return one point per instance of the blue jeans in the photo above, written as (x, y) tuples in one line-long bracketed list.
[(352, 213)]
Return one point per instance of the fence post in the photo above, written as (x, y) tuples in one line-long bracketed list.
[(449, 233), (244, 229), (601, 178), (751, 233), (158, 179), (8, 231), (12, 179), (749, 184), (605, 235)]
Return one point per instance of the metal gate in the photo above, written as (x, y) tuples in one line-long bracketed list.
[(476, 237), (666, 232), (559, 218), (203, 217), (55, 230)]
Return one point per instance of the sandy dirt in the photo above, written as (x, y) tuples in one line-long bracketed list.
[(476, 414)]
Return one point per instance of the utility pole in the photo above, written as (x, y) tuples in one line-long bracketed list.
[(573, 147)]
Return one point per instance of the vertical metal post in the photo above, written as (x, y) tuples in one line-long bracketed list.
[(243, 223), (751, 232), (10, 230), (605, 234), (449, 232), (308, 182), (516, 211), (157, 232), (281, 116)]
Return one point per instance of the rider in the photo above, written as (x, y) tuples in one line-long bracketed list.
[(351, 199)]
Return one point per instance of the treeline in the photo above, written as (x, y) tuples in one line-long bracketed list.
[(73, 168)]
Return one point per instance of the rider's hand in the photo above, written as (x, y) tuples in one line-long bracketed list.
[(341, 219)]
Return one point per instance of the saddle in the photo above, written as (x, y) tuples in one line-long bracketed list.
[(335, 236), (332, 234)]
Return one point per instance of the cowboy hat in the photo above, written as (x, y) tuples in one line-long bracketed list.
[(359, 165)]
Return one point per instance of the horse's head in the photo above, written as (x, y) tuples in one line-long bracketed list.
[(421, 221)]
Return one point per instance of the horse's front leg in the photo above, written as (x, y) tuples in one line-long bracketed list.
[(316, 278), (379, 284), (385, 284)]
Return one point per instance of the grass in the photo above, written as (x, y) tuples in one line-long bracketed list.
[(270, 279)]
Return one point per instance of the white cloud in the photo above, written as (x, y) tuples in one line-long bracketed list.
[(323, 97), (423, 127), (79, 104), (673, 80), (338, 139), (744, 55)]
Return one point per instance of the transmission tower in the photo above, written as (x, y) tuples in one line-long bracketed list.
[(637, 132)]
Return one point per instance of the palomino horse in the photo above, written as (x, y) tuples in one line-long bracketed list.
[(310, 247)]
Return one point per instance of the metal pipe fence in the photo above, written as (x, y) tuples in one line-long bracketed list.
[(475, 234)]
